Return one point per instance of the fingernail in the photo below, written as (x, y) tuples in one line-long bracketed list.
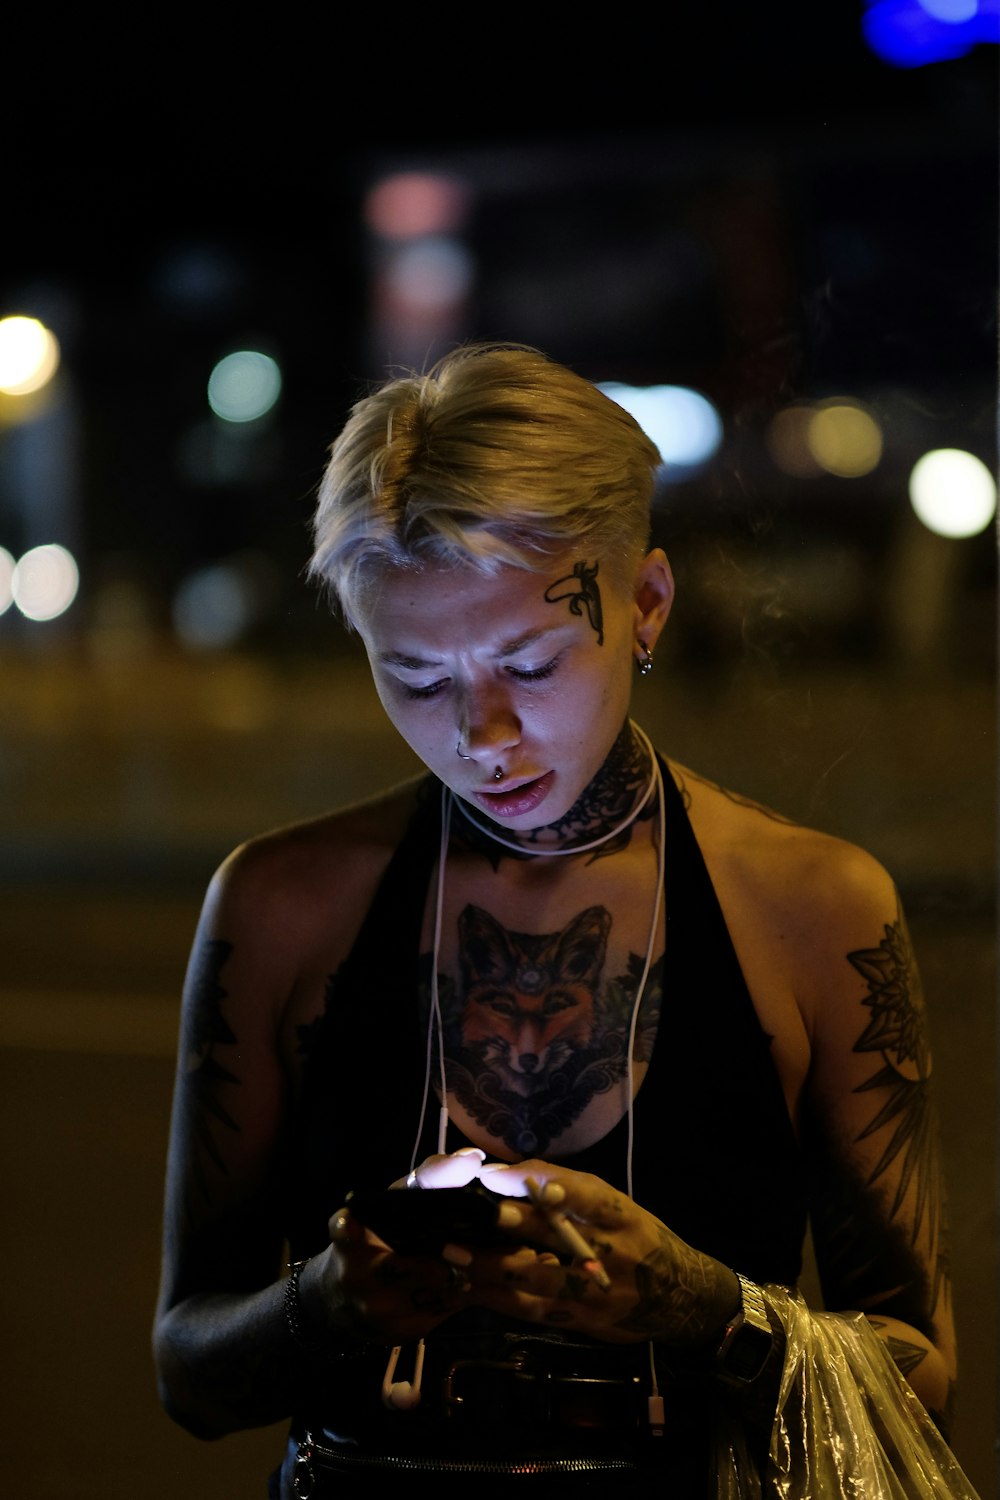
[(497, 1166), (553, 1192), (471, 1151), (456, 1255), (509, 1216)]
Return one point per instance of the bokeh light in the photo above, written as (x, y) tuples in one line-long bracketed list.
[(244, 386), (683, 423), (409, 205), (787, 440), (429, 276), (215, 606), (953, 492), (6, 580), (210, 609), (44, 582), (913, 33), (29, 355), (950, 10), (844, 439)]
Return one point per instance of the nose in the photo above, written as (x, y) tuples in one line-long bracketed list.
[(488, 727)]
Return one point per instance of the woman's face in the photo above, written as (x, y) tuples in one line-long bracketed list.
[(529, 674)]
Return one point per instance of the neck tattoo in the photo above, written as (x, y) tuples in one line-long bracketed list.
[(530, 850), (435, 1020)]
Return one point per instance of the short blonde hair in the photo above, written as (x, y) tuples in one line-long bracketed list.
[(496, 457)]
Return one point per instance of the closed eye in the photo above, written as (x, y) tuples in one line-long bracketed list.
[(534, 674), (430, 691), (520, 674)]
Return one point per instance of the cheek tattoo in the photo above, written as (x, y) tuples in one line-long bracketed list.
[(586, 593)]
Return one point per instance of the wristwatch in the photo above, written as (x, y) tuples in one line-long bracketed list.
[(747, 1340)]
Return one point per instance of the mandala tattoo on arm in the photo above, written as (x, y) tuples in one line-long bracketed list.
[(897, 1032), (881, 1235), (580, 588), (205, 1029)]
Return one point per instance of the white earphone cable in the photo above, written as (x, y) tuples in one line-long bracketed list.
[(395, 1394), (435, 1022)]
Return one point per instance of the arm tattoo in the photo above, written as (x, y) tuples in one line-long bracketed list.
[(906, 1355), (879, 1250), (206, 1028), (896, 1031), (582, 591)]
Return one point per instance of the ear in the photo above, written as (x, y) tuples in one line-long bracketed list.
[(654, 595)]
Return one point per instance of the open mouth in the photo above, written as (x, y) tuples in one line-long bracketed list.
[(521, 799)]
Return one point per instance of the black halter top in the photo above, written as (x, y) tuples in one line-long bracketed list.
[(714, 1153)]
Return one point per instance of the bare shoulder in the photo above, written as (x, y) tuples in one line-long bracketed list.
[(805, 880), (812, 918), (321, 870)]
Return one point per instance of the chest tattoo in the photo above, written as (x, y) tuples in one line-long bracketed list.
[(534, 1029)]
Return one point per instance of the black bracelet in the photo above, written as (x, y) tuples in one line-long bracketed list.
[(308, 1343)]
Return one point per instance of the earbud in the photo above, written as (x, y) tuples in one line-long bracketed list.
[(402, 1395)]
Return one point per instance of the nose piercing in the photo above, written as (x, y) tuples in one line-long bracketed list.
[(497, 774)]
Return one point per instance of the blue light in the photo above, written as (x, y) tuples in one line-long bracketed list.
[(911, 33), (683, 424)]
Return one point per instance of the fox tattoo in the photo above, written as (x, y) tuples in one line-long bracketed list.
[(533, 1031)]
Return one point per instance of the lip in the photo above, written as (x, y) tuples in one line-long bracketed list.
[(518, 800)]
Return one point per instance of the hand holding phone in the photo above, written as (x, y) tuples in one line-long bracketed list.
[(420, 1221)]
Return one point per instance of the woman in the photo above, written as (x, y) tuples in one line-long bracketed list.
[(663, 1026)]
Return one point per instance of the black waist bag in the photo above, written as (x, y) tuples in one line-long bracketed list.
[(495, 1417)]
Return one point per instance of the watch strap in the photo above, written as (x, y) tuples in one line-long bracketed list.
[(748, 1337)]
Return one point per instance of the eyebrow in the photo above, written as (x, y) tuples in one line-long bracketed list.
[(397, 659), (507, 648)]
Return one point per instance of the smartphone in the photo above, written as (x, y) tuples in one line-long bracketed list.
[(418, 1221)]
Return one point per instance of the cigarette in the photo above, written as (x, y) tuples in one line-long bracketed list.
[(569, 1236)]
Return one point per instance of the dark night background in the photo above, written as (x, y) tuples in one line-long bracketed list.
[(741, 198), (624, 155)]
